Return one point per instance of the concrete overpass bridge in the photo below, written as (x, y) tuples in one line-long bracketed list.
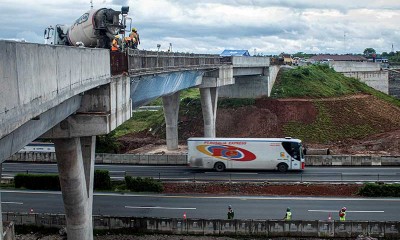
[(72, 94)]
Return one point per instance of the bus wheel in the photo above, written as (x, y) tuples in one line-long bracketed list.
[(282, 167), (219, 167)]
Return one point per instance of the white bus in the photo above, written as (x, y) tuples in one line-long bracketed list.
[(43, 147), (281, 154)]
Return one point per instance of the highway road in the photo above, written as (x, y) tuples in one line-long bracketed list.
[(205, 206), (183, 173)]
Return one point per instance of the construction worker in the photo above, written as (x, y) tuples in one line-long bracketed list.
[(128, 42), (134, 35), (288, 215), (231, 213), (114, 44), (342, 214)]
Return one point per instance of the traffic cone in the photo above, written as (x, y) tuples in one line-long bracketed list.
[(329, 217), (184, 216)]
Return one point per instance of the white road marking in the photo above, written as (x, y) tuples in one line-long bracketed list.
[(167, 208), (332, 211), (18, 203), (226, 174)]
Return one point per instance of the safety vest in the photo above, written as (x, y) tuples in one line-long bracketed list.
[(133, 36), (114, 45), (288, 215), (342, 216)]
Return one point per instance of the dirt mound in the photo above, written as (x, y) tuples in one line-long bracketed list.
[(354, 124)]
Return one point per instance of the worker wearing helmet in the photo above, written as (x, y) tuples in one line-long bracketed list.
[(231, 213), (288, 215), (127, 42), (114, 44), (342, 214), (134, 35)]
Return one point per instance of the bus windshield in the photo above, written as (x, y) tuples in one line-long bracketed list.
[(294, 149)]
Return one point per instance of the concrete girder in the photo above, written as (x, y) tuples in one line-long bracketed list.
[(33, 129), (102, 110)]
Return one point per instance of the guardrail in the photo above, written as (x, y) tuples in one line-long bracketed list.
[(247, 227), (141, 62), (165, 159)]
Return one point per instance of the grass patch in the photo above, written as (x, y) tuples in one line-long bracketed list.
[(140, 121), (323, 130), (314, 81)]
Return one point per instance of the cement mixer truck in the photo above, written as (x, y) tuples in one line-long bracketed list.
[(95, 28)]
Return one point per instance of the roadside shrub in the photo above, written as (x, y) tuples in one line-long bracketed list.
[(37, 181), (102, 180), (380, 190), (143, 184)]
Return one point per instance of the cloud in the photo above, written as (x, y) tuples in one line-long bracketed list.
[(209, 26)]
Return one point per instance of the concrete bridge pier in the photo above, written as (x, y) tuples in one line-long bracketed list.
[(209, 95), (75, 161), (209, 100), (101, 110), (171, 112)]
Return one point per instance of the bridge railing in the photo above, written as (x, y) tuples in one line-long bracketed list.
[(142, 62)]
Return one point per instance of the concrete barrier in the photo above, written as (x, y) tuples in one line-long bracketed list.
[(246, 227), (157, 159)]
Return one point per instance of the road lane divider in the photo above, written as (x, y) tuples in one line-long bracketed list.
[(166, 208), (333, 211), (16, 203)]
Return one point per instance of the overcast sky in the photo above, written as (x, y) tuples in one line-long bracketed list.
[(210, 26)]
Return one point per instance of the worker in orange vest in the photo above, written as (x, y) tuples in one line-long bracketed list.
[(114, 44)]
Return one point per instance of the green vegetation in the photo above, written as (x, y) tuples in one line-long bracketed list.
[(321, 81), (102, 180), (37, 181), (314, 81), (380, 190), (52, 182), (235, 102), (143, 184)]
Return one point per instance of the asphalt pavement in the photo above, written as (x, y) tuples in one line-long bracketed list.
[(205, 206)]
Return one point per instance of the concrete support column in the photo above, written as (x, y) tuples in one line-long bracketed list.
[(1, 215), (88, 146), (209, 100), (74, 188), (171, 112)]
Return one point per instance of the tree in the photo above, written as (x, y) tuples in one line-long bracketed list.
[(369, 51)]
